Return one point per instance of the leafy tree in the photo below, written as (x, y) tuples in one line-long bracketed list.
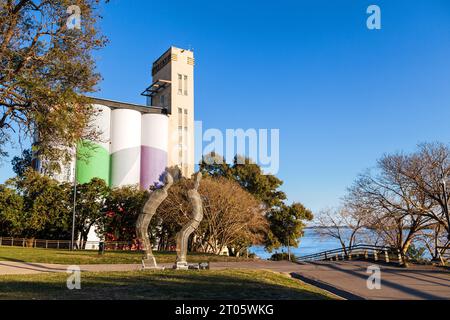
[(21, 164), (232, 217), (11, 206), (90, 203), (121, 209), (415, 253), (249, 175), (286, 225), (44, 205), (283, 219), (45, 70)]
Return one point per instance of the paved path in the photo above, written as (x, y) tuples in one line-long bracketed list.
[(344, 278), (348, 279)]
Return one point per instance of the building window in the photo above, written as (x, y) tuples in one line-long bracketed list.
[(180, 84), (185, 85), (180, 134), (180, 117)]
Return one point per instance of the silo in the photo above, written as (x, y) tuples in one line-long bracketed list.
[(93, 159), (154, 148), (125, 147)]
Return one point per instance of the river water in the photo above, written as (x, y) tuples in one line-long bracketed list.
[(310, 243)]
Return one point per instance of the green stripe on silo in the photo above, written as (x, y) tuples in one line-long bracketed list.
[(93, 162)]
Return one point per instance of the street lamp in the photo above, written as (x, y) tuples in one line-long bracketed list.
[(74, 204), (446, 209)]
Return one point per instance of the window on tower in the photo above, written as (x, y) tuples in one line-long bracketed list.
[(180, 84), (185, 85)]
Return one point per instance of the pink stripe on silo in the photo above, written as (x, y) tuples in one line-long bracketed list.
[(153, 165)]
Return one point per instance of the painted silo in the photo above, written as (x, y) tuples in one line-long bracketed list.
[(154, 148), (125, 147), (93, 157)]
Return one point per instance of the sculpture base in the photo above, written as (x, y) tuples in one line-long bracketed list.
[(181, 266), (190, 266)]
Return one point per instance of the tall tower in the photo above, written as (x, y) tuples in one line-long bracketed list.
[(173, 89)]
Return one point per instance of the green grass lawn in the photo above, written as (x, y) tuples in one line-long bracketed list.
[(92, 257), (167, 284)]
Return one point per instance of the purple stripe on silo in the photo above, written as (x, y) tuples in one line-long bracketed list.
[(153, 165)]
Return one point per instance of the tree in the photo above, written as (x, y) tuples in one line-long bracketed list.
[(45, 70), (427, 172), (121, 210), (11, 207), (432, 239), (21, 164), (266, 189), (232, 218), (248, 175), (392, 207), (89, 209), (343, 224), (43, 206), (286, 225)]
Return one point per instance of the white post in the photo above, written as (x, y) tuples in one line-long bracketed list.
[(400, 260)]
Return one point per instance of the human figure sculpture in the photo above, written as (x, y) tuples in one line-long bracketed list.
[(151, 205), (196, 217)]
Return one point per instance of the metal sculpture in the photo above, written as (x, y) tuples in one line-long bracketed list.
[(196, 217), (154, 201)]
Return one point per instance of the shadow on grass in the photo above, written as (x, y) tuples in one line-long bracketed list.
[(158, 285)]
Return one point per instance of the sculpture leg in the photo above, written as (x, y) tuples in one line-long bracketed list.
[(182, 244), (143, 221), (191, 226)]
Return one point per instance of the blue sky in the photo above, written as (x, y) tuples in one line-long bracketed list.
[(341, 95)]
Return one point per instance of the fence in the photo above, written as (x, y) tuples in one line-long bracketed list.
[(362, 251), (65, 244)]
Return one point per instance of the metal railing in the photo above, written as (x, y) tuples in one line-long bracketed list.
[(65, 244), (360, 251)]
